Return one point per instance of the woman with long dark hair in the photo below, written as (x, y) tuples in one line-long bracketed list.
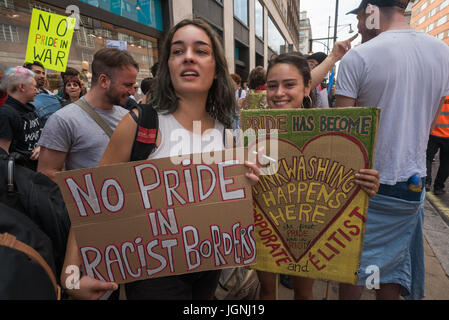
[(192, 84)]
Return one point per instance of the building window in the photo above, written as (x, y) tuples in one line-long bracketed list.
[(442, 21), (444, 5), (241, 10), (40, 7), (8, 33), (432, 12), (7, 4), (429, 27), (125, 37), (147, 12), (424, 6), (87, 22), (84, 38), (275, 38), (87, 56), (421, 20), (145, 59), (259, 20), (440, 36), (145, 44), (105, 33)]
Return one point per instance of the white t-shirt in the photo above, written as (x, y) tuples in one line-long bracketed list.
[(240, 94), (176, 140), (405, 73)]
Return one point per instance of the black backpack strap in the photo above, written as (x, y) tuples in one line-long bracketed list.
[(146, 133), (10, 241)]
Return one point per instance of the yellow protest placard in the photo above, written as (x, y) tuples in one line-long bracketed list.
[(49, 39)]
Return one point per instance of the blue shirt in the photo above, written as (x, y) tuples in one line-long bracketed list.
[(45, 105)]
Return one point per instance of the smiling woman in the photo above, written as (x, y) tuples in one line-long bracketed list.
[(288, 82)]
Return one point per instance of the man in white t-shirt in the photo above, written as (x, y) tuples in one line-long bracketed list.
[(403, 72)]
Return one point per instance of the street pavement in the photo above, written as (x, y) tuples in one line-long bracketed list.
[(436, 233), (441, 202)]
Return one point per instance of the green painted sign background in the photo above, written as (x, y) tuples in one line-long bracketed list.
[(305, 124), (310, 216)]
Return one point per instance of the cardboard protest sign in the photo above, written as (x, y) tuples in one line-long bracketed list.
[(49, 39), (153, 218), (309, 214)]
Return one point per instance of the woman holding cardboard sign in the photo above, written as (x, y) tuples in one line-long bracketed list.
[(193, 85), (289, 82)]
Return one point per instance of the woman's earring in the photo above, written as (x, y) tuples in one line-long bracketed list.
[(310, 102)]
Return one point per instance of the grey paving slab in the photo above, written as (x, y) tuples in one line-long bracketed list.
[(436, 232)]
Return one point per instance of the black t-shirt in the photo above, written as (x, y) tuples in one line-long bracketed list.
[(20, 124)]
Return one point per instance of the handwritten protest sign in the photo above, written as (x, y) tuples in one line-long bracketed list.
[(49, 39), (152, 218), (309, 214)]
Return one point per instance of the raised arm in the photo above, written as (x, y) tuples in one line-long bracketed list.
[(338, 51)]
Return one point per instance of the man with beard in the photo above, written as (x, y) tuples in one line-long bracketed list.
[(404, 72), (45, 103), (72, 139)]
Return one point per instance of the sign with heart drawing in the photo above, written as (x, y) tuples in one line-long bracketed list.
[(309, 214)]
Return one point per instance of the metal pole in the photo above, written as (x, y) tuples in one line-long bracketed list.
[(336, 21), (328, 34)]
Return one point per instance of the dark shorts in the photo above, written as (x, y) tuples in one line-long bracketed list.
[(192, 286), (401, 191)]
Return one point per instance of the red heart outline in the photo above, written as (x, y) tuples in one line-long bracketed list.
[(356, 192)]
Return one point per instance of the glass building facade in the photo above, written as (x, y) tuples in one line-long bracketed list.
[(275, 38), (241, 10), (146, 12), (97, 27)]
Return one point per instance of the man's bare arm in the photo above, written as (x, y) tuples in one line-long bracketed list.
[(338, 51), (50, 162), (342, 102)]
